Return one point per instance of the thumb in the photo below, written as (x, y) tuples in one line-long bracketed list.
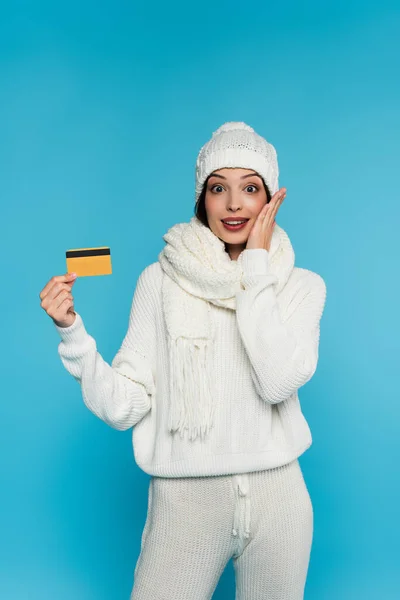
[(72, 277)]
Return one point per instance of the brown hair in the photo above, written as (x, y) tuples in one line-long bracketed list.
[(200, 207)]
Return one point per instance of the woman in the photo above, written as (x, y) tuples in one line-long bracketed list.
[(223, 331)]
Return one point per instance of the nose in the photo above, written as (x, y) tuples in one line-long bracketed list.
[(233, 203)]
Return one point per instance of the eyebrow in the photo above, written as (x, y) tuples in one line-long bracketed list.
[(242, 177)]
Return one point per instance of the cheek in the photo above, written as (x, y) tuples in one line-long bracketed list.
[(255, 206), (211, 206)]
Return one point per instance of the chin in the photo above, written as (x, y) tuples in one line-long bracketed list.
[(233, 238), (229, 237)]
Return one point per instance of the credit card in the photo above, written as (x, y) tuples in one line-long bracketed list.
[(89, 261)]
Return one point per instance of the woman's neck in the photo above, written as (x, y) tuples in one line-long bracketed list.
[(234, 250)]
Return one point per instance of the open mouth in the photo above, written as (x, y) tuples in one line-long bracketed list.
[(235, 225)]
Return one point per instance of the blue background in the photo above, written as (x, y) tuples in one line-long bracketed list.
[(103, 109)]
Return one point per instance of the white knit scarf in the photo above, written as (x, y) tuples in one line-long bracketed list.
[(198, 271)]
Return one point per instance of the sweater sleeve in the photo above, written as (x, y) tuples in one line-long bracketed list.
[(120, 393), (282, 349)]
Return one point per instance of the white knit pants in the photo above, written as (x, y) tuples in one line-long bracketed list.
[(195, 525)]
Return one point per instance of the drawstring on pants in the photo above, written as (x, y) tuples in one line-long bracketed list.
[(241, 483)]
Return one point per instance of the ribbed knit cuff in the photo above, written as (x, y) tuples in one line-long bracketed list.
[(255, 260), (75, 333), (255, 263)]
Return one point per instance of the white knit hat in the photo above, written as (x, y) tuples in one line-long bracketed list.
[(236, 144)]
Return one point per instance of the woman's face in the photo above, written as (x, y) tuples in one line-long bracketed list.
[(234, 193)]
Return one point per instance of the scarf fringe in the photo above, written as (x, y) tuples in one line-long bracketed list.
[(193, 403)]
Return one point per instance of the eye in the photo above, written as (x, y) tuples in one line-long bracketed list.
[(252, 186), (216, 185)]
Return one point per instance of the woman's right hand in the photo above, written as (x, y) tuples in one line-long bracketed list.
[(57, 300)]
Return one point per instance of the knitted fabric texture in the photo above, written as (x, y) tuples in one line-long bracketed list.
[(198, 271), (264, 352), (263, 521), (235, 144)]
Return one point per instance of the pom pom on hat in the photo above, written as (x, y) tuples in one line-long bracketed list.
[(232, 126), (236, 145)]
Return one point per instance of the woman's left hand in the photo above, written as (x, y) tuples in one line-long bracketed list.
[(261, 233)]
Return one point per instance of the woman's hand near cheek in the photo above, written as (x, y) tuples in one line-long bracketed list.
[(261, 233)]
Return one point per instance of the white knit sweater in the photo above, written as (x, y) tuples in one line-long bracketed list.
[(263, 353)]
